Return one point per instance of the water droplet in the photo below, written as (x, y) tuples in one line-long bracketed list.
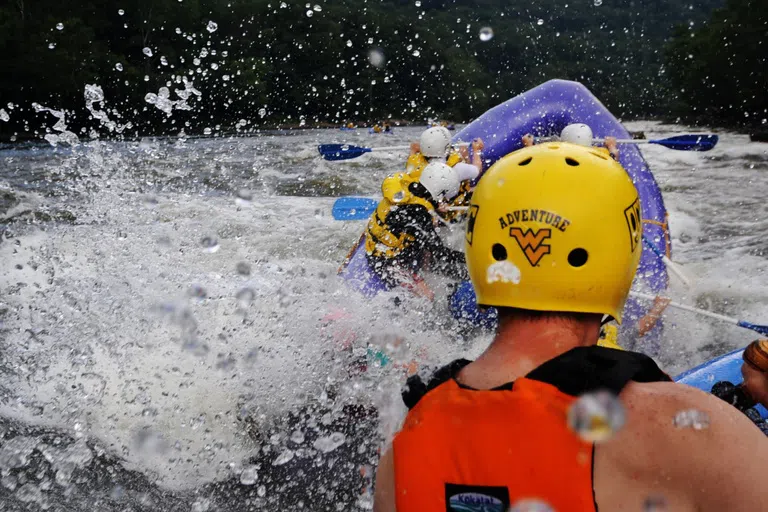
[(163, 60), (376, 58), (598, 3), (212, 27), (596, 416), (201, 505), (51, 46), (530, 505), (486, 34), (4, 116), (147, 51), (197, 292), (252, 355), (214, 66), (209, 244), (317, 8), (59, 26), (691, 418), (245, 297), (416, 53), (418, 3), (178, 30), (309, 14), (206, 131), (120, 12), (655, 504), (297, 437), (349, 43), (119, 66), (283, 5), (284, 457), (249, 475), (262, 112), (243, 268), (540, 22), (329, 443), (261, 491), (243, 196)]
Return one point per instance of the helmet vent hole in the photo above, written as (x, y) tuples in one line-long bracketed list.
[(571, 162), (578, 257), (526, 161), (499, 252)]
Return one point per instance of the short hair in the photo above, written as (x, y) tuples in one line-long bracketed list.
[(506, 313)]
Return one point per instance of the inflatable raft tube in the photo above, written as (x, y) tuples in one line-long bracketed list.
[(544, 111), (723, 368)]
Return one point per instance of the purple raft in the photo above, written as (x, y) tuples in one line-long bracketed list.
[(544, 111)]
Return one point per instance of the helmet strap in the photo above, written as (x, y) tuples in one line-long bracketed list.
[(606, 320)]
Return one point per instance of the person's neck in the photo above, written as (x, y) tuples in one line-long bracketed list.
[(522, 344)]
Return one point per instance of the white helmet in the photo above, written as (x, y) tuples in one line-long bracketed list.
[(434, 142), (440, 180), (578, 133)]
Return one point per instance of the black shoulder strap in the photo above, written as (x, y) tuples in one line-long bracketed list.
[(585, 369), (415, 388)]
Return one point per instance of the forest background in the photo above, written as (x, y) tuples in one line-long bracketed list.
[(224, 65)]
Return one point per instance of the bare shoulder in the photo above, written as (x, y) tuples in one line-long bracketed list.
[(683, 418), (702, 452)]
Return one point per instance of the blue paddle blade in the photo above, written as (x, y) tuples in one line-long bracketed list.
[(353, 208), (691, 142), (762, 329), (333, 152)]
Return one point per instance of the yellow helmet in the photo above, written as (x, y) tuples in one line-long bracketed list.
[(554, 227)]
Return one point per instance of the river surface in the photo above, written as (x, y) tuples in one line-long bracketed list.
[(174, 337)]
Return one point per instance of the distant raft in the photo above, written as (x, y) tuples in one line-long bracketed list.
[(544, 111)]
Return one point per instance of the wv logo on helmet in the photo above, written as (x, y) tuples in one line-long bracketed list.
[(532, 243)]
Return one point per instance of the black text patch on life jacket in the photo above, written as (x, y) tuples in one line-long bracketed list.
[(476, 498)]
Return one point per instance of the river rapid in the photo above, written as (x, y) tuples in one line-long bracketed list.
[(173, 335)]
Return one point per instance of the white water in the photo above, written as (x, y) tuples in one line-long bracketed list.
[(108, 333)]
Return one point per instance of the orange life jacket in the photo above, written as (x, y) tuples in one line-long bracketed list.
[(462, 449)]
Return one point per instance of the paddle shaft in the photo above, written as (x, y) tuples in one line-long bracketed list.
[(671, 265), (402, 148), (691, 309)]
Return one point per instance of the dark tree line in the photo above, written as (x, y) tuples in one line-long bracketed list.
[(720, 70), (269, 62)]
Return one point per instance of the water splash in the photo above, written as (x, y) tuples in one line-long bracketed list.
[(376, 58), (94, 94), (691, 418), (64, 136), (249, 476), (329, 443), (531, 505), (597, 416), (486, 34), (162, 100)]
